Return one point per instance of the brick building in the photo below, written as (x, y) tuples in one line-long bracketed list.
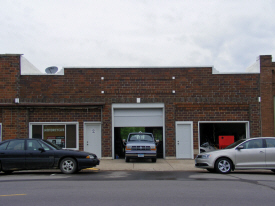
[(88, 108)]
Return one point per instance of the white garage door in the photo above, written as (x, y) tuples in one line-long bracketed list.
[(138, 117)]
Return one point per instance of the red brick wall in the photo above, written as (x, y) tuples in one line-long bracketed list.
[(267, 95), (238, 93), (14, 123), (9, 77)]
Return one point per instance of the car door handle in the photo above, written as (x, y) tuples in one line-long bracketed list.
[(261, 151)]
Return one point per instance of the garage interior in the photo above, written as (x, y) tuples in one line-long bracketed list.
[(121, 133), (129, 118), (219, 135)]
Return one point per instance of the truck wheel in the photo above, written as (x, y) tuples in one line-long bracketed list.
[(127, 159), (154, 160)]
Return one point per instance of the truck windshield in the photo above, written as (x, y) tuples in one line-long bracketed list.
[(140, 137)]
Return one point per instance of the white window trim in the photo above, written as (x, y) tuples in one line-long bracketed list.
[(57, 123)]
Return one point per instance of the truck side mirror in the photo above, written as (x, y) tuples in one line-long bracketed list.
[(124, 142)]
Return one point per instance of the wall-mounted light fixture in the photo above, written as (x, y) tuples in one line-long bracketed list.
[(138, 100), (16, 100), (102, 92), (173, 91)]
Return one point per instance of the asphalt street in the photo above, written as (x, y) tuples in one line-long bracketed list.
[(96, 187)]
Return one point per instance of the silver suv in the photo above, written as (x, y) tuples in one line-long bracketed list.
[(140, 145)]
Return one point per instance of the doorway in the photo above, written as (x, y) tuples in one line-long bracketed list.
[(133, 117), (92, 138), (184, 140), (122, 133)]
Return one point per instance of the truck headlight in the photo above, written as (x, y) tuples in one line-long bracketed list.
[(153, 147)]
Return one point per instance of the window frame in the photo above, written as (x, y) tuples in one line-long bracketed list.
[(57, 123), (0, 132)]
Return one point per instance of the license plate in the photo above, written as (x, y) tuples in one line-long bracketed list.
[(140, 155)]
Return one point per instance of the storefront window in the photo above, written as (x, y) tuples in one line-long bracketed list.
[(55, 134), (63, 135)]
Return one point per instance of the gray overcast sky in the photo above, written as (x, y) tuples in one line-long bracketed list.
[(226, 34)]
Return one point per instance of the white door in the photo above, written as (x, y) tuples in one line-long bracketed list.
[(184, 140), (92, 138)]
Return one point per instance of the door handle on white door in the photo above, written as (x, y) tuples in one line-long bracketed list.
[(87, 143)]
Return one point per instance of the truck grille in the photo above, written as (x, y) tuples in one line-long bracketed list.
[(139, 148)]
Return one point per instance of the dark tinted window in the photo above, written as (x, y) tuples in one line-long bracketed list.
[(33, 145), (253, 144), (4, 145), (16, 145), (37, 131), (70, 136), (45, 147)]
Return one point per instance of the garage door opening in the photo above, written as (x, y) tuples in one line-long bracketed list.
[(219, 135), (121, 133)]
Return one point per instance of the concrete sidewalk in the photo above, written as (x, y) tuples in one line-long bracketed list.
[(147, 165)]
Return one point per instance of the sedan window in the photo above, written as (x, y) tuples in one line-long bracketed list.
[(33, 145), (270, 143), (253, 144), (45, 147), (4, 146), (16, 145)]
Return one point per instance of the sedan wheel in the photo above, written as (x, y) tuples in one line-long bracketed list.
[(68, 166), (223, 165)]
